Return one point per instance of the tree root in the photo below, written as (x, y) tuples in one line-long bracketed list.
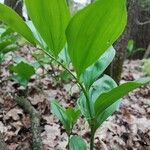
[(35, 119)]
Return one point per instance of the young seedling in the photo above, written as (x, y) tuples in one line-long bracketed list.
[(88, 37), (21, 73), (131, 50), (8, 42)]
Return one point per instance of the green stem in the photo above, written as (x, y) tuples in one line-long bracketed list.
[(77, 80), (92, 140), (68, 143), (86, 95)]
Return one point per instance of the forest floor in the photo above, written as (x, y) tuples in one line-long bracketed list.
[(127, 129)]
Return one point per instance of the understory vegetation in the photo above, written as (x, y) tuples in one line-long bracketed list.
[(57, 63)]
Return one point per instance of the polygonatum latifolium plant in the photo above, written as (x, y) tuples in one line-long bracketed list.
[(87, 38)]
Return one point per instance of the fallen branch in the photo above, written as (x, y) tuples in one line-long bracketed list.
[(35, 119), (2, 143)]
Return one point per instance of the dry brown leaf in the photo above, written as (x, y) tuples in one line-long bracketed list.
[(14, 114)]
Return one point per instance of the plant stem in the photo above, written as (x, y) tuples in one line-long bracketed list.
[(86, 96), (68, 142), (92, 140), (77, 80)]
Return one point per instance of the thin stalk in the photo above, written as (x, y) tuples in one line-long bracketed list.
[(77, 80), (85, 93), (92, 139), (68, 142)]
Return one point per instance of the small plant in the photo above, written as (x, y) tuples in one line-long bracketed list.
[(87, 38), (22, 72), (8, 42), (131, 50)]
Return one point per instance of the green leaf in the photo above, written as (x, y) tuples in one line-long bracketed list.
[(50, 18), (103, 85), (23, 72), (94, 71), (60, 112), (64, 56), (4, 44), (9, 48), (73, 114), (7, 33), (105, 114), (12, 19), (21, 81), (130, 46), (82, 103), (77, 143), (36, 34), (107, 99), (68, 117), (93, 30)]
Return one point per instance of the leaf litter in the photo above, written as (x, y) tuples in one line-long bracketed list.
[(127, 129)]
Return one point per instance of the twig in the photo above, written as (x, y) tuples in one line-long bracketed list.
[(35, 119)]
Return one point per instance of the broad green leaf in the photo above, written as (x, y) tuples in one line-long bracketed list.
[(13, 20), (23, 70), (93, 30), (64, 56), (60, 112), (107, 99), (36, 35), (94, 71), (7, 32), (68, 117), (105, 114), (4, 44), (9, 48), (21, 81), (103, 85), (82, 103), (99, 87), (77, 143), (50, 17), (73, 114)]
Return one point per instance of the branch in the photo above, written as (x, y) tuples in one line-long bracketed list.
[(35, 118)]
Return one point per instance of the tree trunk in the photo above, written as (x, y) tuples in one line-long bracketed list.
[(17, 5), (141, 32), (115, 69)]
